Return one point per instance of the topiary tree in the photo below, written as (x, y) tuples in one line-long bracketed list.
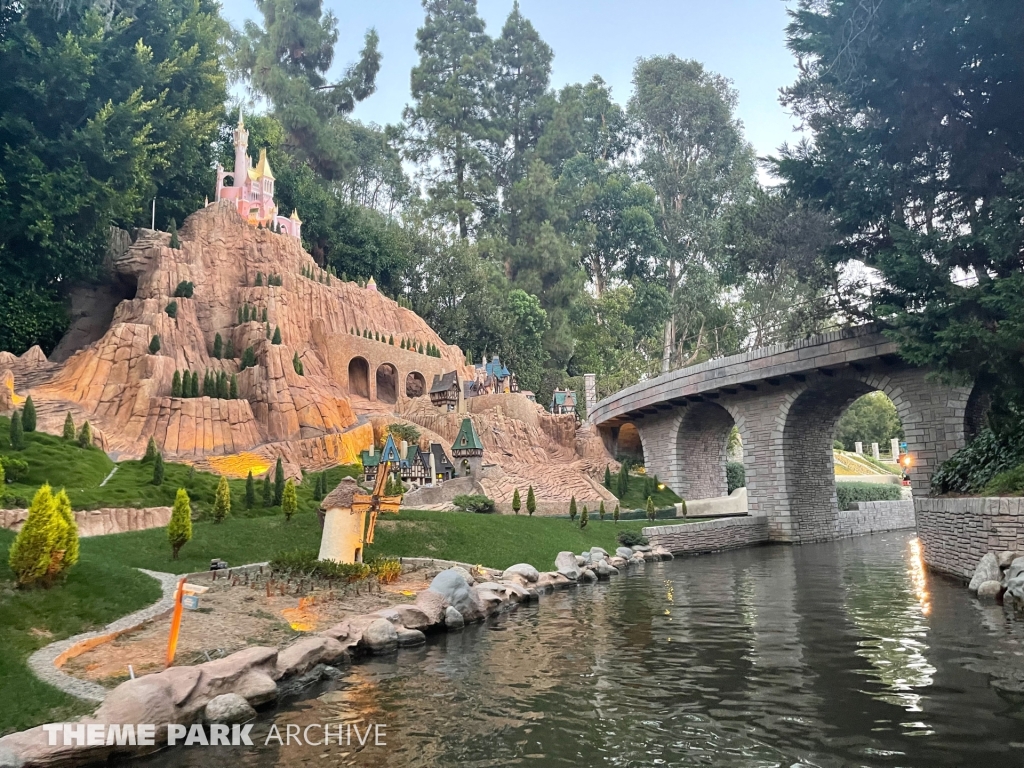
[(572, 509), (179, 529), (154, 344), (85, 436), (516, 501), (32, 551), (173, 229), (158, 470), (600, 511), (193, 390), (151, 451), (259, 279), (28, 416), (223, 388), (615, 515), (531, 502), (172, 310), (67, 538), (268, 491), (623, 484), (289, 501), (233, 387), (250, 491), (264, 318), (69, 427), (17, 434), (176, 384), (222, 500), (607, 477), (277, 335), (218, 346), (297, 365), (650, 509), (229, 350), (584, 517), (278, 482)]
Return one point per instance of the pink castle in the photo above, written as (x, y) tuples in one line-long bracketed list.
[(252, 187)]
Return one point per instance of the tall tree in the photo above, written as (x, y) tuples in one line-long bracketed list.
[(287, 60), (918, 159), (449, 122), (585, 121), (695, 157)]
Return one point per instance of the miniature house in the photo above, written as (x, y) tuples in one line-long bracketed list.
[(444, 392), (416, 467), (491, 378), (563, 401), (467, 450), (342, 539)]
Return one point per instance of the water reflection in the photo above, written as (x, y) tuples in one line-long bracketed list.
[(823, 655)]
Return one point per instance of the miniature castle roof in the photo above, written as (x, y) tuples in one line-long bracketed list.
[(467, 439), (496, 369), (295, 216), (444, 382), (262, 169), (371, 284), (441, 460), (341, 496), (563, 397), (390, 451)]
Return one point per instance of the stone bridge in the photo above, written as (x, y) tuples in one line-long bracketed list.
[(786, 402)]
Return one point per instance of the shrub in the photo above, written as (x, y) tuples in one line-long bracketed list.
[(306, 563), (531, 502), (218, 346), (268, 491), (184, 290), (584, 517), (172, 310), (229, 349), (158, 470), (386, 569), (572, 508), (233, 387), (517, 503), (250, 491), (259, 279), (631, 538), (69, 427), (600, 511), (85, 436), (278, 482), (650, 509), (850, 493), (406, 432), (973, 466), (176, 384), (31, 554), (17, 434), (297, 365), (735, 475), (67, 538), (474, 503), (28, 416), (837, 445), (173, 229), (277, 335), (289, 501), (615, 514), (14, 470), (222, 500), (1010, 482), (179, 529), (151, 451), (154, 344), (607, 477)]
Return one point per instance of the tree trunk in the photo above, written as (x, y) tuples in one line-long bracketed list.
[(666, 349)]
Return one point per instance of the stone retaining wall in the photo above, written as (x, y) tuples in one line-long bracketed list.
[(709, 536), (876, 517), (956, 533), (98, 522)]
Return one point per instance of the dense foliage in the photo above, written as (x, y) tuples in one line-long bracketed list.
[(852, 492), (871, 419), (970, 469)]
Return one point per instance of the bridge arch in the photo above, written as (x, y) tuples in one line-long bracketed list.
[(702, 444), (387, 383), (359, 377), (415, 384)]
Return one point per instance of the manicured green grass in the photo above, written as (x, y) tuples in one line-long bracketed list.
[(635, 498)]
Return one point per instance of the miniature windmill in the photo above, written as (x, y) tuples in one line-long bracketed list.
[(376, 503)]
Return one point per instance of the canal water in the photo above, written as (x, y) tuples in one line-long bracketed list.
[(838, 654)]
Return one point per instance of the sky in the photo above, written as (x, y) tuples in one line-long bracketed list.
[(741, 39)]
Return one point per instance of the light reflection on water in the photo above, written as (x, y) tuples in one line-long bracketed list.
[(821, 655)]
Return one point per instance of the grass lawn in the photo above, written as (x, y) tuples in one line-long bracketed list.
[(104, 584), (635, 498)]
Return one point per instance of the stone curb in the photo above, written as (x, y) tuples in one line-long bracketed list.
[(42, 662)]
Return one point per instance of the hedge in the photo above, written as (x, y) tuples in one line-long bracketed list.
[(850, 493), (735, 475)]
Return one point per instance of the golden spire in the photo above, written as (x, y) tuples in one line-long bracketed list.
[(295, 215)]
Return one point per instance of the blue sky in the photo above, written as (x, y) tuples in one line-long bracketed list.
[(741, 39)]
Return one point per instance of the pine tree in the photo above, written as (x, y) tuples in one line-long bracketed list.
[(176, 384), (268, 330), (650, 509), (517, 503), (151, 451), (158, 469), (572, 508), (250, 491), (623, 488), (172, 309), (317, 495), (194, 388), (31, 554), (218, 346), (615, 515), (268, 492), (28, 416), (289, 501), (264, 317), (229, 351), (222, 500), (173, 229), (233, 387), (584, 517), (85, 436), (278, 482), (222, 386), (241, 319), (421, 348), (600, 510), (17, 434), (67, 540), (376, 335), (154, 344), (179, 529), (259, 279), (531, 502), (607, 477), (391, 340), (249, 358), (402, 345), (297, 364), (69, 427), (277, 335)]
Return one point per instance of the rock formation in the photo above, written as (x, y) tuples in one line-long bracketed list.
[(122, 383)]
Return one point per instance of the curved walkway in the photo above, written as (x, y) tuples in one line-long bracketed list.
[(43, 662)]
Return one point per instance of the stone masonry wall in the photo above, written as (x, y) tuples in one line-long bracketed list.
[(710, 536), (98, 522), (956, 533), (877, 517)]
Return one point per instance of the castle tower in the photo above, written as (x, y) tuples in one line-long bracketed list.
[(241, 139)]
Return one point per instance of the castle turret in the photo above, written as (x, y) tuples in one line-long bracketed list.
[(241, 139)]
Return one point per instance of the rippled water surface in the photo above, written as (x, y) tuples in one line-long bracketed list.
[(821, 655)]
